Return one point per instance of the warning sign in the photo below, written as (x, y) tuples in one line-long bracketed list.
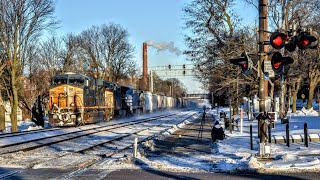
[(268, 69)]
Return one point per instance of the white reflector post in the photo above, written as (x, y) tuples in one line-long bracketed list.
[(241, 120), (261, 149), (135, 145), (267, 149)]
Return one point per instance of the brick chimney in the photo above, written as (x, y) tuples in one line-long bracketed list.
[(144, 67)]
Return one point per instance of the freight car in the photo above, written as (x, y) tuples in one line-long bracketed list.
[(76, 99)]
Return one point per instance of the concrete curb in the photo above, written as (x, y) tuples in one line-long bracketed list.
[(295, 138)]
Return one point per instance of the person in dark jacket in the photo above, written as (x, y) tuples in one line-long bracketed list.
[(217, 132)]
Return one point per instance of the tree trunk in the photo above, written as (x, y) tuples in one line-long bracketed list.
[(235, 99), (271, 93), (289, 98), (311, 94), (2, 117), (318, 102), (235, 107), (14, 104), (294, 102), (295, 90)]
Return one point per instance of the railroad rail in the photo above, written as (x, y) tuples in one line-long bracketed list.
[(36, 142), (22, 133), (145, 129)]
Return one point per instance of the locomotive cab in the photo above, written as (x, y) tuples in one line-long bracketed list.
[(76, 99)]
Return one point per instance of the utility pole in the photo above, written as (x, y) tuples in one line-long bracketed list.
[(151, 82), (263, 88)]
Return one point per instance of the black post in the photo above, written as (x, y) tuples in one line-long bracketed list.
[(306, 140), (251, 143), (287, 135), (269, 132), (259, 126), (230, 125)]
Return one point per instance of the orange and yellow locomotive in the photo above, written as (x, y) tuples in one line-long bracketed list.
[(76, 99)]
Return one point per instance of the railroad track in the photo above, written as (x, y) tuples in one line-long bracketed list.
[(141, 138), (121, 142), (6, 135), (37, 142)]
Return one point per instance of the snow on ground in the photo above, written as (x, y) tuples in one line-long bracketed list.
[(30, 125), (39, 158), (288, 159), (234, 154)]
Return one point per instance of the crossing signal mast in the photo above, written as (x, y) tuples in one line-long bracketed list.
[(244, 62), (289, 40)]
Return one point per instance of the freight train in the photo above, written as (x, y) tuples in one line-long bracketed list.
[(76, 99)]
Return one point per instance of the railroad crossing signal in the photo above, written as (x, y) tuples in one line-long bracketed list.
[(244, 61), (303, 40), (278, 63), (278, 40)]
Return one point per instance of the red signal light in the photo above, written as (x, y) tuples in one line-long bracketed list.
[(244, 66), (276, 65), (304, 42), (277, 41), (244, 62), (279, 63)]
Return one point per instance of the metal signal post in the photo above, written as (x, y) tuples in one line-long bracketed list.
[(263, 28)]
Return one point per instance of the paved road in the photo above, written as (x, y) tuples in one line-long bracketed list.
[(147, 174)]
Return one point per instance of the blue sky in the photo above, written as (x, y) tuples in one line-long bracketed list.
[(154, 20)]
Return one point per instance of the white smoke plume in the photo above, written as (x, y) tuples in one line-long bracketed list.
[(164, 46)]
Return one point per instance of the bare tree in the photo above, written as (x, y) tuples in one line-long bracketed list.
[(216, 37), (90, 42), (49, 56), (313, 70), (21, 22), (163, 86), (107, 51), (123, 64)]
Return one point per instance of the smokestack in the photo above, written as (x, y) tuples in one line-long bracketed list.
[(164, 46), (145, 67)]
